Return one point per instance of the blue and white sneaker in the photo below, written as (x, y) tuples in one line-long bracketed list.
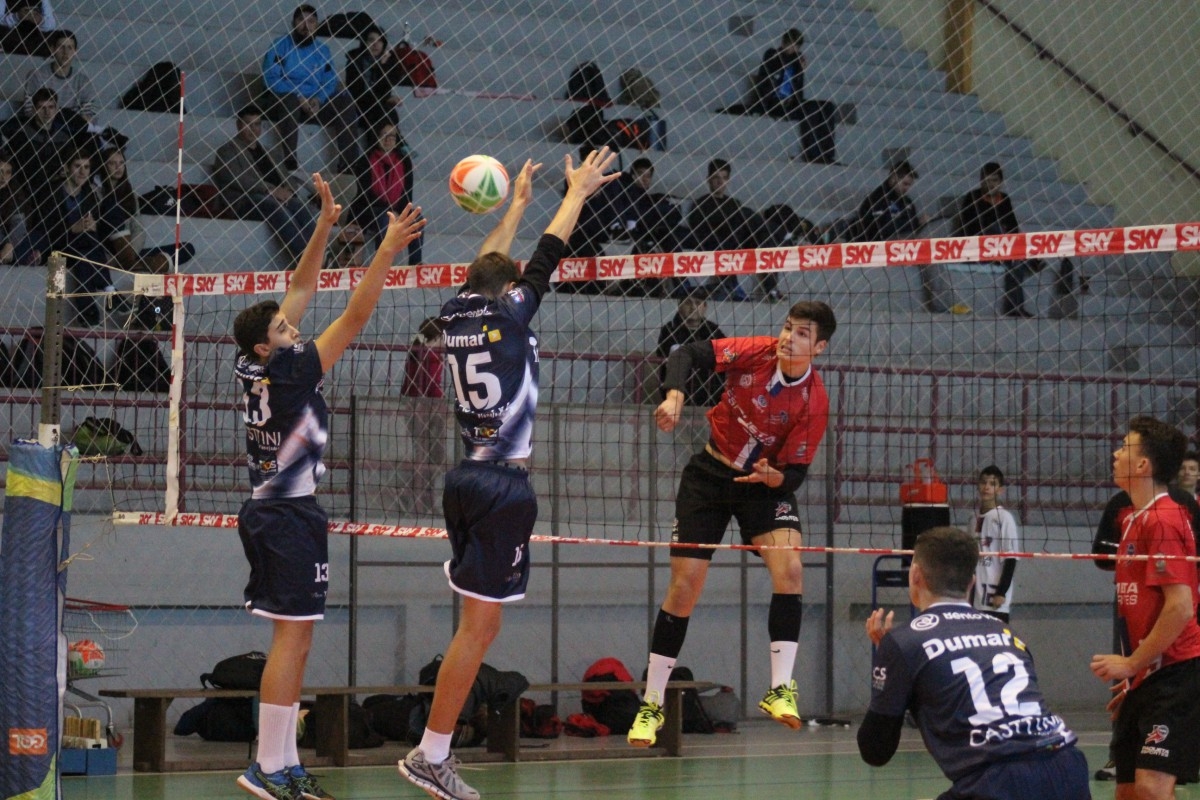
[(268, 786)]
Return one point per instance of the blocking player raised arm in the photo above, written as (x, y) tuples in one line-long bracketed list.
[(304, 280), (337, 337), (501, 238)]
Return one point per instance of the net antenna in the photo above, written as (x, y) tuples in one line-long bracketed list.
[(175, 394)]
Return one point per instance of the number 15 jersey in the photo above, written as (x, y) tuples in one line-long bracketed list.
[(492, 355)]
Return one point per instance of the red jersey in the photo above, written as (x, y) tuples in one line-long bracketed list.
[(1162, 528), (760, 414)]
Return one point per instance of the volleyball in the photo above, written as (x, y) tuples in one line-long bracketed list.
[(84, 657), (478, 184)]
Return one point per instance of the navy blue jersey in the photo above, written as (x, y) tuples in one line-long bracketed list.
[(971, 685), (492, 355), (287, 422)]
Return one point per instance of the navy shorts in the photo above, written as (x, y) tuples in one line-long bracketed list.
[(1158, 726), (287, 544), (490, 511), (708, 498), (1060, 774)]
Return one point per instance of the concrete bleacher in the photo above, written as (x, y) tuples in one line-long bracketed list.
[(698, 67)]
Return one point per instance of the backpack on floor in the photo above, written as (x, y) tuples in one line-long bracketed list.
[(695, 719), (613, 708)]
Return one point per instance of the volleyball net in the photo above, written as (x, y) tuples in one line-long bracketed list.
[(923, 365)]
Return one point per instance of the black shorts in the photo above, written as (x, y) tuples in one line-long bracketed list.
[(1060, 774), (490, 511), (708, 498), (1158, 726), (287, 544)]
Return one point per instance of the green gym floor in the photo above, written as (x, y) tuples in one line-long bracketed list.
[(761, 761)]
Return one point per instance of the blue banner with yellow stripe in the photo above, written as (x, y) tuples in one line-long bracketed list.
[(37, 504)]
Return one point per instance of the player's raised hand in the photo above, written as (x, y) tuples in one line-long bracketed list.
[(878, 624), (762, 472), (522, 189), (590, 175), (331, 210), (666, 416), (402, 229)]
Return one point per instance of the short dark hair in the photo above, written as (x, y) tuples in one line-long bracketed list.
[(818, 312), (303, 10), (42, 95), (251, 325), (718, 164), (490, 273), (1163, 444), (948, 557), (1190, 455), (58, 34), (249, 110), (641, 165), (991, 168), (904, 169), (793, 36), (992, 471)]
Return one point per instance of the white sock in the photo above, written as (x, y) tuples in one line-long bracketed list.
[(657, 675), (291, 756), (436, 746), (783, 661), (272, 731)]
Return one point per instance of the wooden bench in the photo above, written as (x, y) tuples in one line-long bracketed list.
[(331, 717)]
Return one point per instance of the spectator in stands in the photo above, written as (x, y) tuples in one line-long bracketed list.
[(254, 187), (1189, 473), (888, 212), (368, 80), (427, 422), (719, 222), (70, 220), (14, 244), (24, 25), (778, 226), (66, 76), (653, 221), (691, 324), (119, 226), (385, 184), (12, 14), (346, 249), (778, 91), (37, 145), (302, 86), (988, 211)]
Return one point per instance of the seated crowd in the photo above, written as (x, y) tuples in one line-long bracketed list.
[(64, 184)]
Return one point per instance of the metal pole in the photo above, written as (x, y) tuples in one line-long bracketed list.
[(352, 660), (49, 426), (555, 569), (830, 497)]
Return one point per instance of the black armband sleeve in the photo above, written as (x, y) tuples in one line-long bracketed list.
[(681, 362), (878, 738), (1006, 576), (793, 476), (542, 263), (1107, 535)]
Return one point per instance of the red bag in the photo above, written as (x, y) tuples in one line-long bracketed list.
[(414, 67)]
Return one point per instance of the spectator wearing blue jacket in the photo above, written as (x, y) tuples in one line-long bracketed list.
[(302, 86)]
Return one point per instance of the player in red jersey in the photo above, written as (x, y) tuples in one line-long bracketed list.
[(765, 431), (1156, 736)]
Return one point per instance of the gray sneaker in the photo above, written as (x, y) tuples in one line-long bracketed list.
[(439, 780)]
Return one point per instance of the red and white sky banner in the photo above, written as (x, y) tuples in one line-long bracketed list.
[(909, 252)]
